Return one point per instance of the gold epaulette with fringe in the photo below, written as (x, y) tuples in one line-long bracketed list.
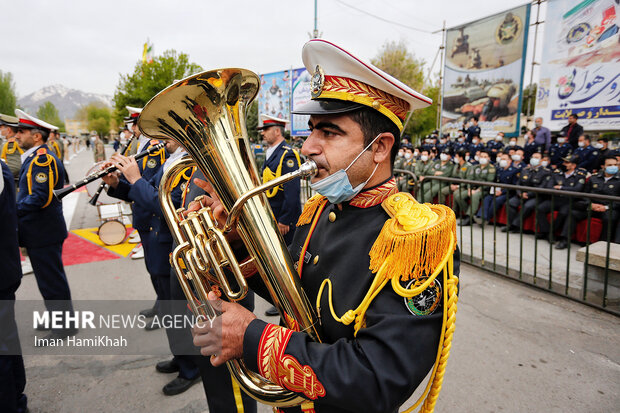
[(310, 208), (414, 240)]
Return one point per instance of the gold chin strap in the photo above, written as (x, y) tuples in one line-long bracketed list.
[(411, 244)]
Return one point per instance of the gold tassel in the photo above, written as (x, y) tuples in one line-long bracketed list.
[(310, 208), (414, 240)]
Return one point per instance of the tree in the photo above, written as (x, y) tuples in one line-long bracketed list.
[(395, 59), (98, 117), (251, 121), (8, 99), (48, 112), (529, 98), (148, 79)]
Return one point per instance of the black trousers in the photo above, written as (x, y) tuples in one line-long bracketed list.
[(12, 372), (610, 222), (51, 278), (222, 392), (560, 205), (513, 205)]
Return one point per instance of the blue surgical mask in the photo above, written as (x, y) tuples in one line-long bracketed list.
[(336, 187), (611, 170)]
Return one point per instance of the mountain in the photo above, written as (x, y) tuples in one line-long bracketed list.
[(66, 100)]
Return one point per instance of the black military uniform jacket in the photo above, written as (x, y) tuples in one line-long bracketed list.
[(376, 370), (9, 252), (149, 166), (537, 177), (597, 185), (575, 183)]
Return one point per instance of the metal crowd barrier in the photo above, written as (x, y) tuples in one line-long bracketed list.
[(597, 285)]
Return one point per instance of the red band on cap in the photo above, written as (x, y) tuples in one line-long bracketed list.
[(29, 122), (273, 122), (134, 115)]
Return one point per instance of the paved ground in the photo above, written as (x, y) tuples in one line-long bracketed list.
[(516, 349)]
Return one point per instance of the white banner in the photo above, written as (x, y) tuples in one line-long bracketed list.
[(580, 72)]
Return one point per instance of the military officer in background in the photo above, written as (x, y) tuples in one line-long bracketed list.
[(142, 216), (462, 168), (98, 148), (55, 144), (571, 179), (472, 130), (475, 146), (42, 228), (443, 167), (12, 372), (560, 150), (606, 182), (423, 167), (495, 146), (531, 146), (11, 152), (588, 154), (374, 358), (405, 181), (484, 172), (158, 241), (505, 174), (58, 146), (280, 160), (533, 175)]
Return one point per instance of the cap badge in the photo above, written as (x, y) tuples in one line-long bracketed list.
[(318, 79)]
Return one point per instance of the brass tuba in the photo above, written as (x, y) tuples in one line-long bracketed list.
[(205, 113)]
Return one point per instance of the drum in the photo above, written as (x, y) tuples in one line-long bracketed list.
[(112, 232)]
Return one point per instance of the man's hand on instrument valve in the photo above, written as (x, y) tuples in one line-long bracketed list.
[(222, 338)]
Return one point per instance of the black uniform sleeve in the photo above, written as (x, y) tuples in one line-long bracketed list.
[(390, 356)]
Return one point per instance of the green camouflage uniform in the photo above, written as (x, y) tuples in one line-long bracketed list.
[(432, 188), (476, 173)]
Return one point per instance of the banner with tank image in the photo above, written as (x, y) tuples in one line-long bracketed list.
[(580, 72), (483, 73)]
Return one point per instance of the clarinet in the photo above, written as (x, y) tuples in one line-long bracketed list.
[(61, 193), (95, 198)]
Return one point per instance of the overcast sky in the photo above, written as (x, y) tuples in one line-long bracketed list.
[(86, 44)]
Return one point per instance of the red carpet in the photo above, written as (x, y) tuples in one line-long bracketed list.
[(76, 250)]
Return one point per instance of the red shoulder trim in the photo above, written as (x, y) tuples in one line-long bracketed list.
[(41, 151)]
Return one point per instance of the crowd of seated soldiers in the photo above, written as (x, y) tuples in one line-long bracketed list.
[(590, 166)]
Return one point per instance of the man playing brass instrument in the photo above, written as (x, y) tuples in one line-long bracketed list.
[(366, 254)]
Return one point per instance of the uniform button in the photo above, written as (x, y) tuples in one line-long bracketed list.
[(315, 260), (332, 216), (150, 228)]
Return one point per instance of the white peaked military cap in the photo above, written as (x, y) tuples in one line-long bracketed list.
[(268, 120), (30, 122), (342, 82), (134, 113)]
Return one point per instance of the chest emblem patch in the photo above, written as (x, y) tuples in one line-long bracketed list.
[(427, 301), (151, 163), (41, 177)]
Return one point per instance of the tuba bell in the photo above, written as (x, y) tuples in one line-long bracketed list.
[(205, 113)]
